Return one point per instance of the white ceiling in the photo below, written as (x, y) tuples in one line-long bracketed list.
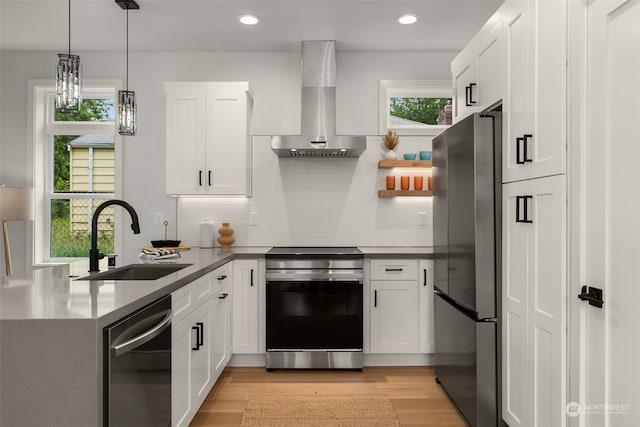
[(212, 26)]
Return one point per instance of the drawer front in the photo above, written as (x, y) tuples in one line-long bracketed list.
[(187, 298), (221, 277), (201, 288), (394, 269), (181, 303)]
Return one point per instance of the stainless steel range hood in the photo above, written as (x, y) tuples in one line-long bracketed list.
[(318, 137)]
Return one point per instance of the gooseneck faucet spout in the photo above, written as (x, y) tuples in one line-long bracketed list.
[(94, 254)]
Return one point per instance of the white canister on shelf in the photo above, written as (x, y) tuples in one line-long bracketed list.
[(207, 234)]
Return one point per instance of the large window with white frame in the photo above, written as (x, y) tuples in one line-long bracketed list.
[(75, 169)]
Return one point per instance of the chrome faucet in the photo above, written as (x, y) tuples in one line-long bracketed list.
[(94, 254)]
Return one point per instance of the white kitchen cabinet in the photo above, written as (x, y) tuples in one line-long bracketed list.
[(201, 340), (394, 307), (477, 72), (191, 373), (208, 138), (221, 328), (245, 326), (425, 283), (534, 302), (535, 101)]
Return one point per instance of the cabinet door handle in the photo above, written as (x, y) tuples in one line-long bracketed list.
[(200, 178), (200, 326), (469, 94), (251, 277), (393, 269), (375, 298), (525, 207), (223, 296), (519, 143), (424, 271), (525, 144), (209, 178), (222, 277), (197, 329)]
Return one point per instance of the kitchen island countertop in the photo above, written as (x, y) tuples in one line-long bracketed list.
[(54, 293)]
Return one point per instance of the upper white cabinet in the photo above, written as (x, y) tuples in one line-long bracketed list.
[(478, 72), (534, 108), (208, 138)]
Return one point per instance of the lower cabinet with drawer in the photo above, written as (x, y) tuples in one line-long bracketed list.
[(401, 306), (201, 336)]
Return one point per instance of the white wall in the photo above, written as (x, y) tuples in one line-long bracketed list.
[(319, 202), (275, 80)]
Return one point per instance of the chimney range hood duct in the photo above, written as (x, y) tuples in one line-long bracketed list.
[(318, 137)]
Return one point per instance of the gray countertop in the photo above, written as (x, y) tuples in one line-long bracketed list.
[(54, 293), (397, 252)]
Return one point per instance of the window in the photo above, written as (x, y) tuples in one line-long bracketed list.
[(414, 107), (75, 169)]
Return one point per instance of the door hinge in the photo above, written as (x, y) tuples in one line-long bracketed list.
[(592, 295)]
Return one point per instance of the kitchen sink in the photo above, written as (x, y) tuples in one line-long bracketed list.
[(137, 272)]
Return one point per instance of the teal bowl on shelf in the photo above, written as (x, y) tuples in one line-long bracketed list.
[(425, 155), (410, 156)]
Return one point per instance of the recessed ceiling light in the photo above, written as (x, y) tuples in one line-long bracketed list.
[(407, 19), (248, 19)]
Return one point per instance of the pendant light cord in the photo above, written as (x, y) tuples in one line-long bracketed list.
[(127, 62), (69, 27)]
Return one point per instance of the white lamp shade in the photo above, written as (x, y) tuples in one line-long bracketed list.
[(16, 204)]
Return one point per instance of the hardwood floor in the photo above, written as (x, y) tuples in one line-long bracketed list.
[(416, 398)]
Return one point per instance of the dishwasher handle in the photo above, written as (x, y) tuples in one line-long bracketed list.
[(144, 337)]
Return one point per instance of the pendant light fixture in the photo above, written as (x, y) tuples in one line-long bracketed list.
[(68, 79), (127, 109)]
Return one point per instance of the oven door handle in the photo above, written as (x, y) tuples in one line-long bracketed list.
[(309, 275), (302, 280), (144, 337)]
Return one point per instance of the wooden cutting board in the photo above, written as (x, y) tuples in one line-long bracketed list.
[(176, 248)]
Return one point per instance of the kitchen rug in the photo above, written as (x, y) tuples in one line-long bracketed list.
[(287, 410)]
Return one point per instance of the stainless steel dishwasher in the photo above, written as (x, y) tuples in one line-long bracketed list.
[(137, 368)]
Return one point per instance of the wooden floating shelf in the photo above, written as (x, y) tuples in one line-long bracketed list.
[(389, 163), (411, 193)]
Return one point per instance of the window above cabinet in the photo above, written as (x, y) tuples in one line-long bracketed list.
[(414, 107)]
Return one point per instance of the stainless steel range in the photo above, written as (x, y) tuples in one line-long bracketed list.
[(314, 308)]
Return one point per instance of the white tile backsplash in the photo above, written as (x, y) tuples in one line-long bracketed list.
[(317, 202)]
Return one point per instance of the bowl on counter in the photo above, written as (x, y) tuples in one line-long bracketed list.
[(410, 156), (165, 243)]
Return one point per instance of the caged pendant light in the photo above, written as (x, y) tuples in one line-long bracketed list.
[(127, 109), (68, 79)]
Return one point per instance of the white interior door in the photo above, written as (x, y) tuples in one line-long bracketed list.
[(608, 345)]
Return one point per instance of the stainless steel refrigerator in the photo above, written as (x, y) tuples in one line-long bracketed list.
[(467, 225)]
